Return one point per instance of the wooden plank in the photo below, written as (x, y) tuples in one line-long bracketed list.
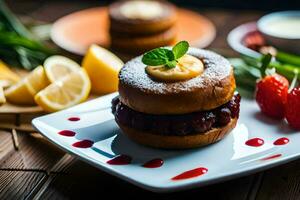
[(255, 186), (282, 182), (63, 165), (6, 145), (72, 178), (19, 184), (34, 154)]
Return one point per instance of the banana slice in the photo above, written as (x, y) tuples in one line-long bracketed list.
[(187, 67)]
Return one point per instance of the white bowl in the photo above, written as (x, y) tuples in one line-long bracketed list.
[(283, 38)]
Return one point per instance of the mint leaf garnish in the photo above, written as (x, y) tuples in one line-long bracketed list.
[(166, 57), (158, 56), (171, 64), (180, 49)]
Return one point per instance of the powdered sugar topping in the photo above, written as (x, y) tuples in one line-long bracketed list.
[(216, 68)]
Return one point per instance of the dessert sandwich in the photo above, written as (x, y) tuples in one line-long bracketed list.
[(177, 98)]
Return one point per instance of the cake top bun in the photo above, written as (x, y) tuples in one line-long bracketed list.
[(208, 85)]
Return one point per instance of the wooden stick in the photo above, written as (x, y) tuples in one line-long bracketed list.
[(15, 139)]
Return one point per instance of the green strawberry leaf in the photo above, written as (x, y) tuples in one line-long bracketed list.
[(265, 62)]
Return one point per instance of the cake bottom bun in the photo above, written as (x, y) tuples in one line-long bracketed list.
[(177, 98), (178, 142), (177, 131)]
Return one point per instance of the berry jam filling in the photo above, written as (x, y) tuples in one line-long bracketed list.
[(193, 123)]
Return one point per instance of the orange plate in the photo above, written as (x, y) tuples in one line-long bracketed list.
[(77, 31)]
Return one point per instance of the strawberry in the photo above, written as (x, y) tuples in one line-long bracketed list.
[(271, 95), (292, 108)]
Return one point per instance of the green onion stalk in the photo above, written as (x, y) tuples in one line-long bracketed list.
[(18, 46)]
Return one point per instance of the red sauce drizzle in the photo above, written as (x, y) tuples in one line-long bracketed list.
[(255, 142), (120, 160), (191, 174), (281, 141), (73, 119), (67, 133), (272, 157), (155, 163), (83, 144)]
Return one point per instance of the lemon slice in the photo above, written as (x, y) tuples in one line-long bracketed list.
[(102, 67), (7, 76), (57, 67), (66, 92), (2, 97), (187, 67), (23, 92)]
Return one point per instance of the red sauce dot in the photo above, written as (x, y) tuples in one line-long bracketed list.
[(83, 144), (281, 141), (255, 142), (67, 133), (191, 174), (155, 163), (272, 157), (73, 119), (120, 160)]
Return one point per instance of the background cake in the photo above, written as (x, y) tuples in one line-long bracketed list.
[(140, 25)]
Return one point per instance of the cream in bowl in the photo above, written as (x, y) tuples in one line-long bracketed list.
[(282, 30)]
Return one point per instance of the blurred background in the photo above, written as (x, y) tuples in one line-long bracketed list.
[(35, 167), (268, 5)]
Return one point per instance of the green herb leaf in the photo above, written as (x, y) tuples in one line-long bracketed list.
[(180, 49), (158, 56), (171, 64), (163, 56)]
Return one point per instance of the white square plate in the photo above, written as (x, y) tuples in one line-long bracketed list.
[(224, 160)]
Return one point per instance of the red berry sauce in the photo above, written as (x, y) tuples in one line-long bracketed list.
[(155, 163), (281, 141), (73, 119), (83, 144), (190, 174), (255, 142), (67, 133), (120, 160), (272, 157)]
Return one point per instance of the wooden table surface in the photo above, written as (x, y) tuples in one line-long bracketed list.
[(39, 170)]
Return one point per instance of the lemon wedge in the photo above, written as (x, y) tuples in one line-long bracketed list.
[(2, 97), (23, 92), (65, 92), (7, 76), (102, 67), (57, 67)]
